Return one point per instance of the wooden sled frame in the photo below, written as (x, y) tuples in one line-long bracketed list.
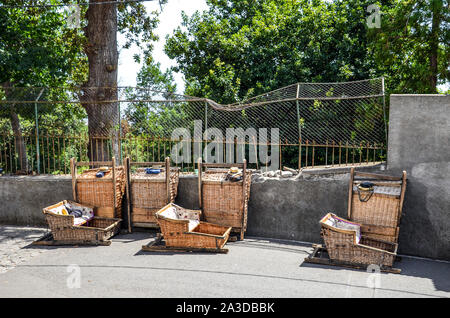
[(127, 164), (158, 246), (317, 257), (243, 165)]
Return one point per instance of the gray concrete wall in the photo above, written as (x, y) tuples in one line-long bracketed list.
[(22, 198), (419, 142)]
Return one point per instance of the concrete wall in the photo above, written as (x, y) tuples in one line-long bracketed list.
[(419, 142), (22, 198)]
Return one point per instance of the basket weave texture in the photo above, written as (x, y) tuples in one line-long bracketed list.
[(341, 247), (99, 192), (176, 232), (225, 202), (382, 212), (99, 229), (149, 194)]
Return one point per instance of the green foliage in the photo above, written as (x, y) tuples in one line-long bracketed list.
[(411, 33), (238, 49)]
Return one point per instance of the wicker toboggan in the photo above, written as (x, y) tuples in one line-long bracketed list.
[(148, 193), (345, 244), (224, 202), (378, 212), (105, 193)]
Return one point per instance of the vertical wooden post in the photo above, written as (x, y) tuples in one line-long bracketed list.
[(114, 183), (313, 153), (402, 196), (244, 195), (73, 172), (167, 167), (350, 194), (126, 164), (200, 182)]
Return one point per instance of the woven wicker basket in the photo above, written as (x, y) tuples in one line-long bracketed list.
[(224, 202), (62, 227), (148, 193), (344, 246), (380, 215), (104, 193), (176, 232)]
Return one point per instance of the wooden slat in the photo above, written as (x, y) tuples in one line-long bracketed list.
[(381, 230), (377, 176), (73, 170), (126, 163), (147, 163), (350, 193), (167, 166), (222, 165), (114, 183), (200, 168), (94, 163)]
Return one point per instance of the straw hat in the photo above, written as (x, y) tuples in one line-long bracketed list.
[(234, 170)]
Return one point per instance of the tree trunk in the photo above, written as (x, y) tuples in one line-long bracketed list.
[(101, 50), (19, 142), (436, 8)]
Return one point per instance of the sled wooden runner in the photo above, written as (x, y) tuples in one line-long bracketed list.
[(158, 245), (320, 256), (47, 240)]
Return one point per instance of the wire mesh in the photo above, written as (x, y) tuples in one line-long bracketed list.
[(41, 128)]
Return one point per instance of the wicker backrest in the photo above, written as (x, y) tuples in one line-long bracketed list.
[(224, 202), (104, 193), (147, 193), (381, 213)]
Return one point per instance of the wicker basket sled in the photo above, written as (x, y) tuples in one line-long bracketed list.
[(379, 210), (148, 193), (347, 247), (224, 202), (94, 231), (182, 230), (105, 193)]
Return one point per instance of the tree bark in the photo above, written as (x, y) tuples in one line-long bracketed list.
[(101, 87), (436, 8), (19, 142)]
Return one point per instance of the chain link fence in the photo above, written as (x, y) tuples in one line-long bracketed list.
[(318, 124)]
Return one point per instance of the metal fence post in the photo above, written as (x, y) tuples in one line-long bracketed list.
[(37, 131), (299, 129), (206, 128), (384, 109)]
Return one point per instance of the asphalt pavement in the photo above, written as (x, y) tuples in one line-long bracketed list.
[(254, 267)]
